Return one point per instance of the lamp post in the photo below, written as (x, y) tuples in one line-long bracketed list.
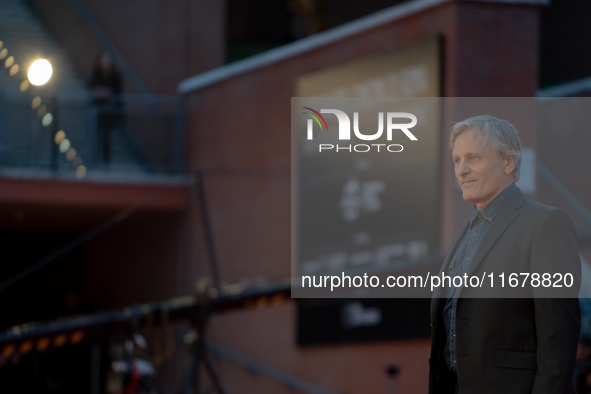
[(39, 74)]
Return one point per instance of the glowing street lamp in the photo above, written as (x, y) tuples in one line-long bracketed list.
[(40, 72)]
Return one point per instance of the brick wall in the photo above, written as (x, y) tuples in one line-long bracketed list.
[(164, 41)]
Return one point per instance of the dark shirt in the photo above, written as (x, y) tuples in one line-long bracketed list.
[(112, 82), (479, 224)]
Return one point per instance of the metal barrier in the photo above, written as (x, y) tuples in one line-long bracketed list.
[(137, 133)]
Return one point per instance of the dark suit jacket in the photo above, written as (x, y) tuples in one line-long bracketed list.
[(514, 345)]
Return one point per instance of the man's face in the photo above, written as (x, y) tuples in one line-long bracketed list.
[(481, 173)]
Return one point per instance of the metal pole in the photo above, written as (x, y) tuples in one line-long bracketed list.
[(190, 378), (207, 229), (200, 353), (213, 375), (95, 369), (91, 134), (54, 129), (178, 159)]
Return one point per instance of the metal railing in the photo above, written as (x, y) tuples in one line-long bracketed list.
[(136, 133)]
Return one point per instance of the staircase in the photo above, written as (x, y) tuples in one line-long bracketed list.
[(24, 141)]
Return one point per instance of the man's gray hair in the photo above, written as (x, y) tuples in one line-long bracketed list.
[(499, 134)]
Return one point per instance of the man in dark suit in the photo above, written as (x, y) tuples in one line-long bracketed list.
[(504, 345)]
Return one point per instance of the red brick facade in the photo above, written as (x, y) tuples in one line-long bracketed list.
[(164, 41)]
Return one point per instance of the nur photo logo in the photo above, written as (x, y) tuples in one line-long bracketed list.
[(344, 130)]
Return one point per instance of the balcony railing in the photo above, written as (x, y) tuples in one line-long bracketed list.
[(135, 133)]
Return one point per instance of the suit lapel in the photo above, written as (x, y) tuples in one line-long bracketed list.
[(438, 292), (504, 218), (500, 223)]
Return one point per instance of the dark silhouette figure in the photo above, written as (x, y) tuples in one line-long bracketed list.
[(106, 84)]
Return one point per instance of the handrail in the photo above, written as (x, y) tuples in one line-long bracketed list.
[(160, 150), (106, 43), (565, 193)]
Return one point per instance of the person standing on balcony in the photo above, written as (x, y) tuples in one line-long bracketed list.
[(107, 85)]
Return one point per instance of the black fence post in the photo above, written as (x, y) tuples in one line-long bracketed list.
[(54, 108)]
